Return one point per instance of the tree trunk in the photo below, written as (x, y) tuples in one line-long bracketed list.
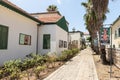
[(103, 55)]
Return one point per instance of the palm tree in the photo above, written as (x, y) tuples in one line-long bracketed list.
[(52, 8), (95, 15), (90, 21), (100, 7)]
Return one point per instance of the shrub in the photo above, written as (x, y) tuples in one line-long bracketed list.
[(28, 63), (75, 51), (51, 58), (37, 71), (40, 60), (1, 73), (12, 68), (65, 55)]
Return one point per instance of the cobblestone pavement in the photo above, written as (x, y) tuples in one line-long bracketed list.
[(81, 67)]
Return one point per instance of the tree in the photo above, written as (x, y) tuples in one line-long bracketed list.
[(95, 15), (90, 21), (52, 8)]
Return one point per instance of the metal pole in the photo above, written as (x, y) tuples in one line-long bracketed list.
[(111, 55), (111, 60)]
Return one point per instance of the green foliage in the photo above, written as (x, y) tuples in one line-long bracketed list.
[(89, 39), (51, 58), (52, 8), (33, 60), (1, 73), (12, 68), (37, 71), (28, 63), (67, 54), (75, 50)]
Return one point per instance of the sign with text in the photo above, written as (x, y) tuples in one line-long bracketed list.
[(105, 36)]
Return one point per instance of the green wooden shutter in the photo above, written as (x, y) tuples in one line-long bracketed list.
[(3, 37), (46, 41), (0, 37)]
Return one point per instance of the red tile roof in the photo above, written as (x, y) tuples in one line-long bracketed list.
[(86, 33), (48, 17)]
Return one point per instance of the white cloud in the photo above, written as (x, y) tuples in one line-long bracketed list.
[(59, 2)]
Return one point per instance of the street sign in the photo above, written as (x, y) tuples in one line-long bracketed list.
[(104, 36)]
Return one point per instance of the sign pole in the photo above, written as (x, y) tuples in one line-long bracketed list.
[(111, 55)]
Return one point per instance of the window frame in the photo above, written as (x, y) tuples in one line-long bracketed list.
[(65, 44), (24, 40), (45, 44), (61, 43), (115, 34), (7, 34), (118, 32)]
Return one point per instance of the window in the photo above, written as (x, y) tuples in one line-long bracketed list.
[(46, 41), (115, 34), (113, 46), (65, 44), (119, 32), (3, 37), (24, 39), (60, 44)]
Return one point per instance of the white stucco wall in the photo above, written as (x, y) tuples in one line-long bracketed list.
[(47, 29), (61, 35), (56, 34), (17, 24), (75, 36), (115, 41)]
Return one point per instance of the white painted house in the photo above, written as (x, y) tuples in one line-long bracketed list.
[(53, 33), (18, 32), (75, 39), (22, 34)]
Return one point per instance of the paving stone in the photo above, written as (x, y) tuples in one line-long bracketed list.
[(81, 67)]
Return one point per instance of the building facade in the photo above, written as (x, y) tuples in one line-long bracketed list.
[(56, 28), (75, 39), (22, 34), (115, 29), (18, 32)]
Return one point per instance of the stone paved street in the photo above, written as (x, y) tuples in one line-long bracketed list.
[(81, 67)]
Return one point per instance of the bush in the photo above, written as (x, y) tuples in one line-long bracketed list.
[(67, 54), (37, 71), (75, 51), (12, 68), (1, 73), (28, 63), (51, 58), (33, 60)]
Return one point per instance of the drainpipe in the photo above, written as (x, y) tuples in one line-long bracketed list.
[(37, 42)]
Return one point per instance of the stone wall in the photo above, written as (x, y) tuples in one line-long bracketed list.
[(115, 56)]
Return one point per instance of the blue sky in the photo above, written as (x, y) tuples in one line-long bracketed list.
[(71, 9)]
